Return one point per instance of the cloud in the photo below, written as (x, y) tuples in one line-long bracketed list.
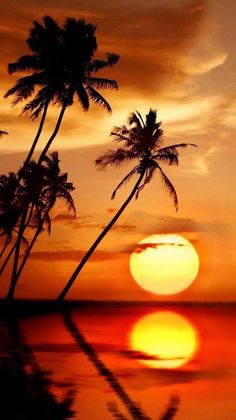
[(142, 247), (74, 255)]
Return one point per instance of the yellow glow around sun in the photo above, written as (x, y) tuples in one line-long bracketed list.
[(163, 340), (164, 264)]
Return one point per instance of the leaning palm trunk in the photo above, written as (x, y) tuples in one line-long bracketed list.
[(57, 127), (10, 294), (35, 142), (29, 248), (99, 239)]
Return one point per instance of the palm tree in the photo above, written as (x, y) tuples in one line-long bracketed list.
[(63, 64), (78, 70), (42, 185), (142, 141), (44, 42), (57, 188)]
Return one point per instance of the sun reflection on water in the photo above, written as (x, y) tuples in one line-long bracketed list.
[(163, 340)]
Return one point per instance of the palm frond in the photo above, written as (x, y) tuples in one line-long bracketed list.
[(149, 173), (21, 91), (135, 119), (97, 98), (112, 58), (169, 187), (83, 96), (173, 148), (97, 64), (167, 158), (24, 63), (140, 117), (102, 83), (114, 158), (151, 118), (125, 180)]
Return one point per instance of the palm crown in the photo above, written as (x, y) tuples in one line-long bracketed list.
[(143, 141), (62, 63)]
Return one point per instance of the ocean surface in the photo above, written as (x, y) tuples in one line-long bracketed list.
[(100, 361)]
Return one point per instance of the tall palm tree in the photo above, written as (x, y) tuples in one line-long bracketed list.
[(63, 65), (142, 141), (57, 188)]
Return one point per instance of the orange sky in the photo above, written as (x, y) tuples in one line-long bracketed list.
[(178, 57)]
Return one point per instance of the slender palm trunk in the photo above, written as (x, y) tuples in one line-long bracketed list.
[(10, 294), (28, 251), (58, 124), (35, 142), (98, 240), (134, 410)]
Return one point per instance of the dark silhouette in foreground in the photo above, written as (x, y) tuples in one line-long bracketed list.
[(142, 141), (25, 390)]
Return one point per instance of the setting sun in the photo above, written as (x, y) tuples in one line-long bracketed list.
[(164, 264), (164, 340)]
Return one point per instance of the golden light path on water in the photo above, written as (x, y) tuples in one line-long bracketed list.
[(163, 340), (164, 264)]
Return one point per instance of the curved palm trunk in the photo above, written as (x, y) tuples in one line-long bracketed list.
[(98, 240), (34, 144), (58, 124), (135, 411)]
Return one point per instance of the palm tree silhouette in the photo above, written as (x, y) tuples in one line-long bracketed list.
[(57, 188), (63, 66), (142, 141), (41, 186), (44, 42)]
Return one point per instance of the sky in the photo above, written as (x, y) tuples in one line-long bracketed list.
[(177, 57)]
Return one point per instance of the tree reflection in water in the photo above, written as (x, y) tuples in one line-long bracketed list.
[(133, 408), (25, 390)]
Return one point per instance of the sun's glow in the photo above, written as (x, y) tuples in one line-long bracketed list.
[(164, 264), (163, 340)]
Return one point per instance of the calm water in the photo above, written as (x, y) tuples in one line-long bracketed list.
[(120, 361)]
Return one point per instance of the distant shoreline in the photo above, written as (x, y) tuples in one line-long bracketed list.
[(28, 307)]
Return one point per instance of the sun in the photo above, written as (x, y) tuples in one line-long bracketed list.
[(163, 340), (164, 264)]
